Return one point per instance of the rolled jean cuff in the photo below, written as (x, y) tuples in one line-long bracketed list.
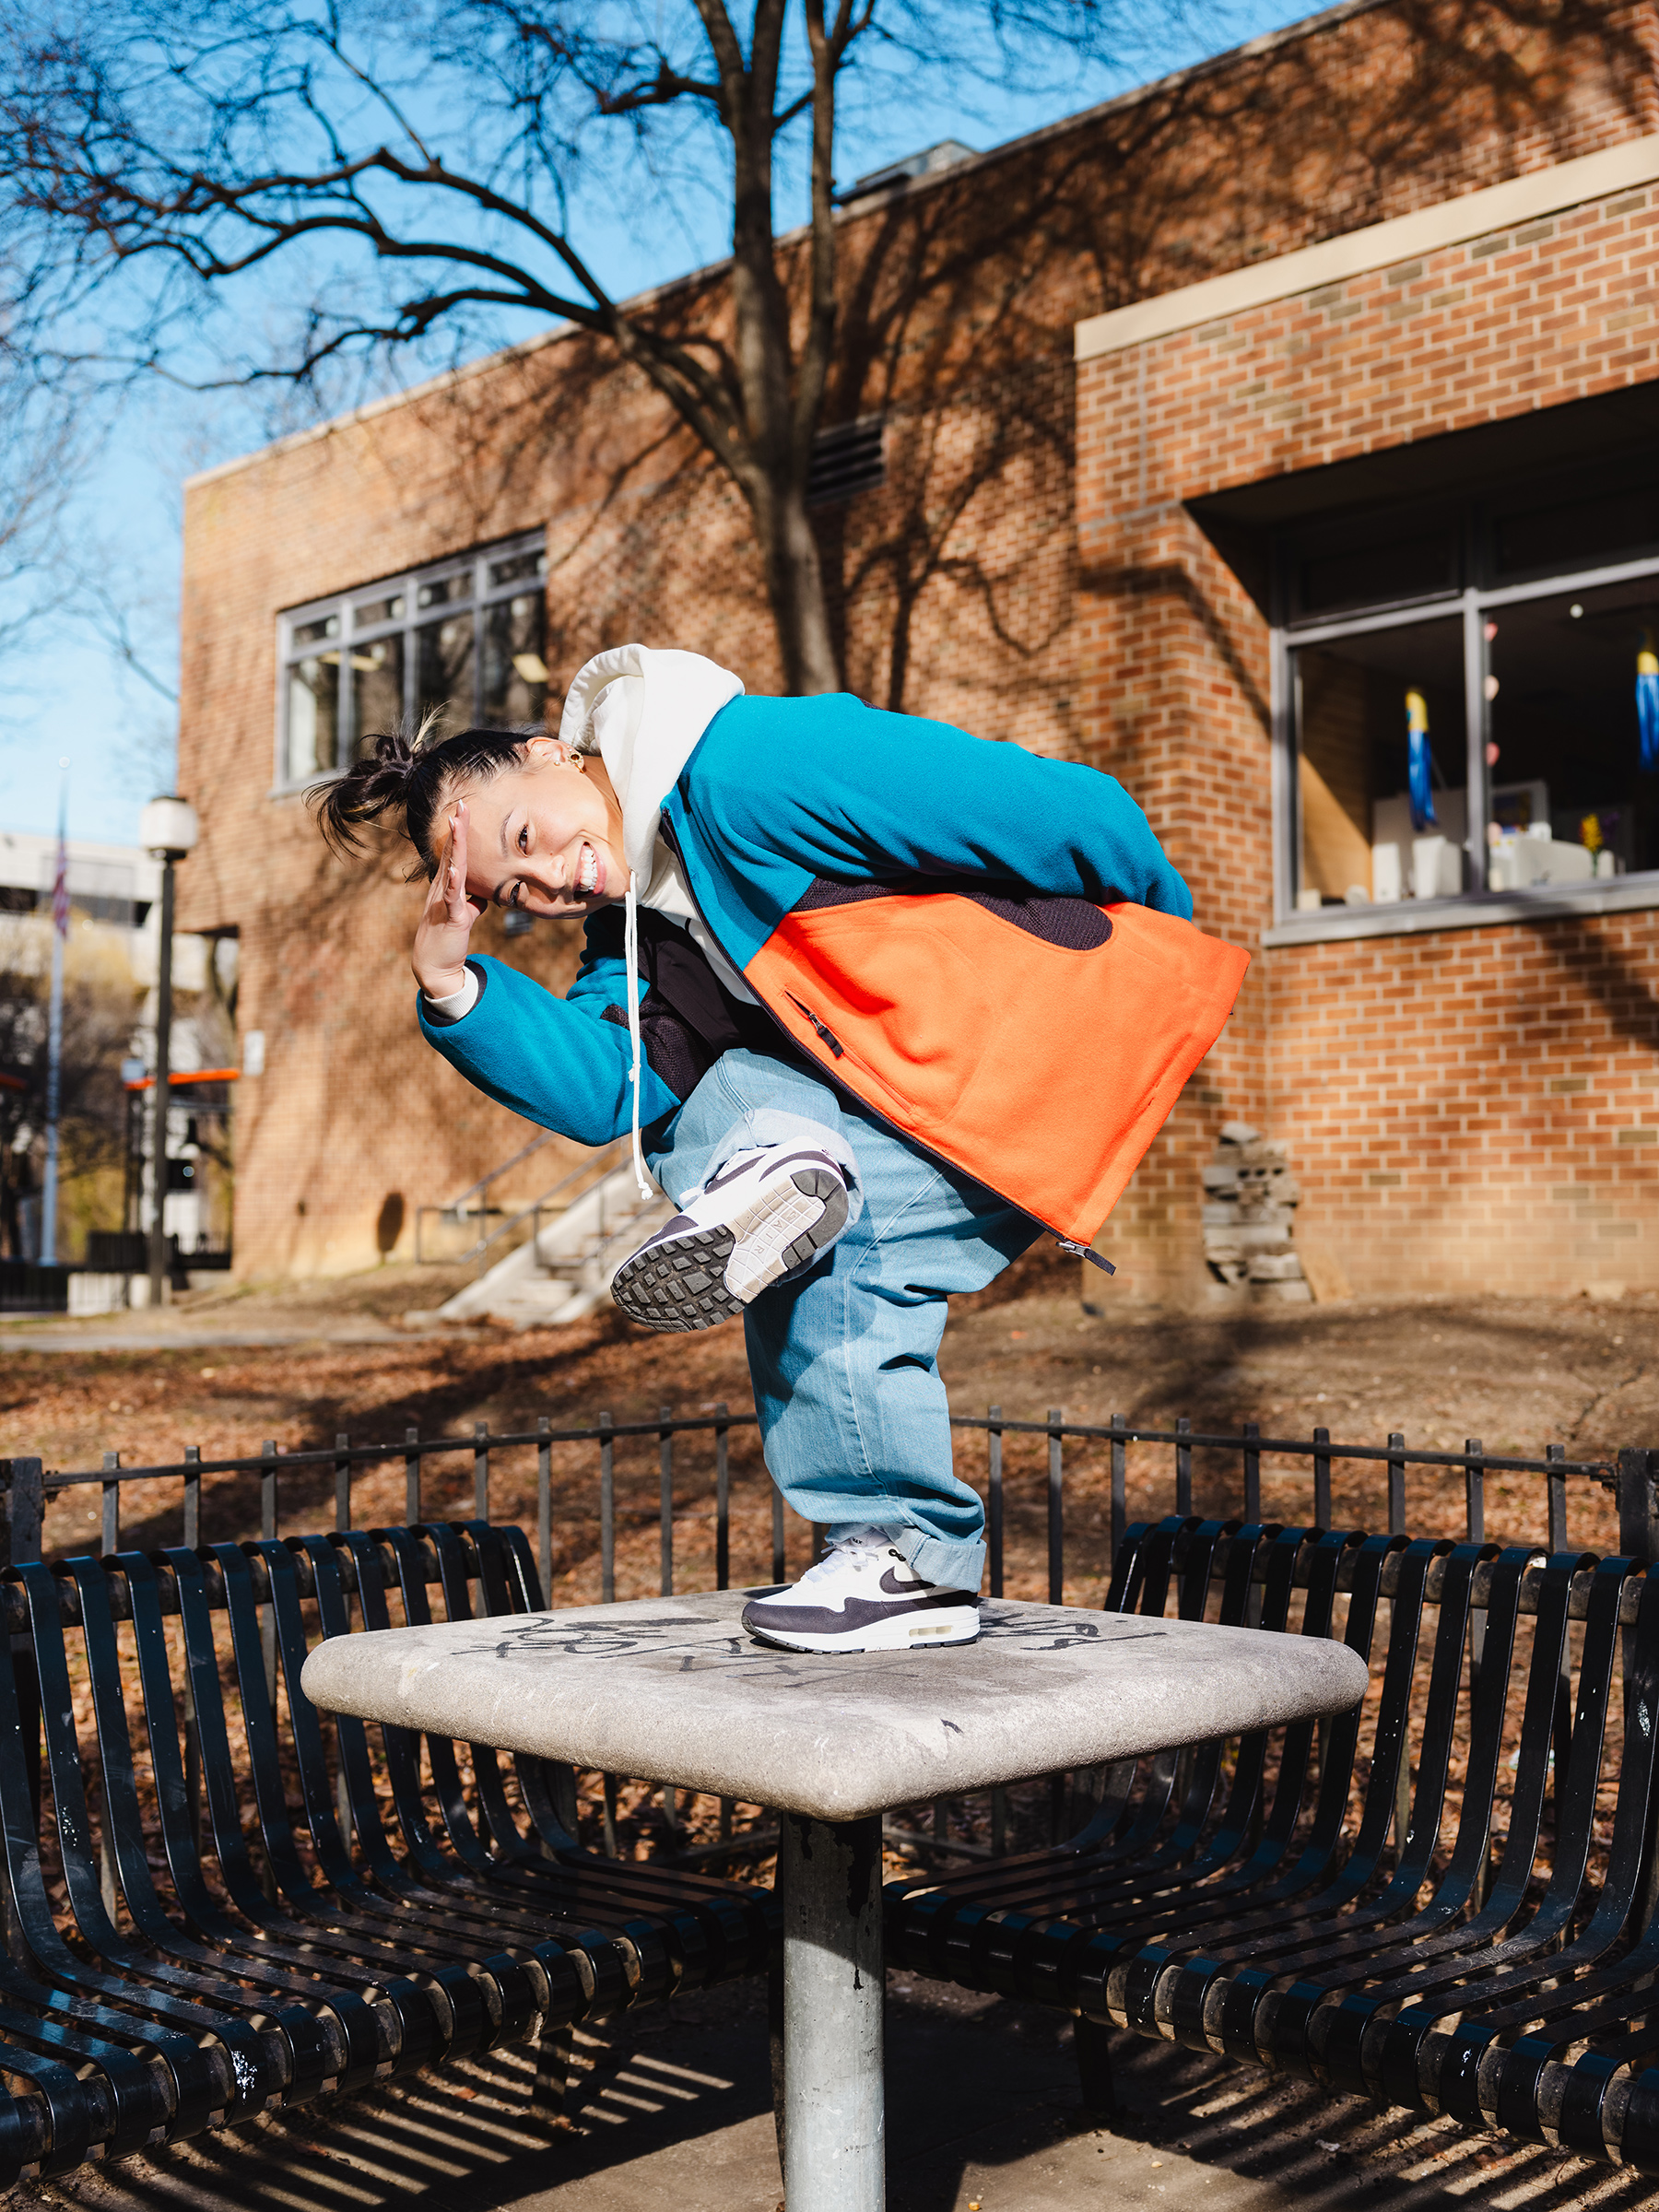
[(958, 1564)]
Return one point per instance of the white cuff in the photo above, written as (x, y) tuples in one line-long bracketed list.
[(458, 1003)]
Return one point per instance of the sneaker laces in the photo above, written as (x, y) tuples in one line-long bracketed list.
[(861, 1540)]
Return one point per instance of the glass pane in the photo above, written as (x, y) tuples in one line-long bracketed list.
[(313, 716), (313, 633), (1611, 524), (1365, 834), (443, 668), (446, 591), (1571, 802), (377, 689), (520, 565), (515, 676), (1393, 563), (368, 613)]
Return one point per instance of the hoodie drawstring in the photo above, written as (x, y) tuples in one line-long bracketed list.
[(630, 955)]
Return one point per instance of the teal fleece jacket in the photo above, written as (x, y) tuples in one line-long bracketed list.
[(776, 793)]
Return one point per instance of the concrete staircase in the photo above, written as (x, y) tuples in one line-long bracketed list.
[(563, 1271)]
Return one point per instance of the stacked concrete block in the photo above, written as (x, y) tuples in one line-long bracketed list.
[(1250, 1200)]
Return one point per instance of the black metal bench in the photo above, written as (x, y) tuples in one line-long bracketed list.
[(1335, 1900), (369, 1913)]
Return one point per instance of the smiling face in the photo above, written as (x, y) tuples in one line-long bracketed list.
[(545, 838)]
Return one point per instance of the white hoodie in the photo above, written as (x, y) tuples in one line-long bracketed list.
[(643, 712)]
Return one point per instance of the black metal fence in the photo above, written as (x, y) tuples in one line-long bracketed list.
[(28, 1287), (1232, 1466), (1629, 1476)]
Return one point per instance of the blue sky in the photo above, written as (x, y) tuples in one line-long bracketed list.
[(68, 694)]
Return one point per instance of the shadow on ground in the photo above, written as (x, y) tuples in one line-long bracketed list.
[(674, 2109)]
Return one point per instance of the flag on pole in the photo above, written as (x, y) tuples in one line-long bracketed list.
[(1417, 774), (1647, 703), (55, 1031), (60, 889)]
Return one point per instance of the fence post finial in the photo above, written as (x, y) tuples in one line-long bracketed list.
[(26, 1505)]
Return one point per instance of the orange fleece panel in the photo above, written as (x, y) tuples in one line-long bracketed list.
[(1043, 1071)]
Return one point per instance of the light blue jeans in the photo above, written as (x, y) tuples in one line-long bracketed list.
[(853, 1412)]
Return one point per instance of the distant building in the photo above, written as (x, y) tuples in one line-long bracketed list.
[(1281, 438), (115, 885), (114, 892)]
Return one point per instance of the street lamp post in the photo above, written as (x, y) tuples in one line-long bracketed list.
[(169, 827)]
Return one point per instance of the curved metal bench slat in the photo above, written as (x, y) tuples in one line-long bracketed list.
[(1291, 1920), (258, 1969)]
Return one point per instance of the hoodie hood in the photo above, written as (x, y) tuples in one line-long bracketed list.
[(671, 698), (669, 701)]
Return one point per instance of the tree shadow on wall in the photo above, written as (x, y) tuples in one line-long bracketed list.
[(1583, 954), (1170, 579), (958, 304)]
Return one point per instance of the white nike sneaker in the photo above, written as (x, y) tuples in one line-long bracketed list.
[(766, 1213), (864, 1596)]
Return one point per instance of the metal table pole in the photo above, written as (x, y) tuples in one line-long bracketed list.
[(834, 2129)]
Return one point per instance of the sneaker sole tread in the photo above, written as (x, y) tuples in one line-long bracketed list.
[(686, 1281)]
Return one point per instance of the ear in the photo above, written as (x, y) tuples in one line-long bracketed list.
[(548, 752)]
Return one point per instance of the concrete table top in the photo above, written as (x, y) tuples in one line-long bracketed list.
[(674, 1689)]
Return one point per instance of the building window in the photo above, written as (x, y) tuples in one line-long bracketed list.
[(1463, 694), (465, 638)]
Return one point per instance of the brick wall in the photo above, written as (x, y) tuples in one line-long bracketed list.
[(1476, 1108), (1555, 311), (1473, 1107), (1028, 570)]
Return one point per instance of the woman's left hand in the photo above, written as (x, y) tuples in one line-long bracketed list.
[(440, 955)]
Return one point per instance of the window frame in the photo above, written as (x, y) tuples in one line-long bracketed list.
[(1476, 904), (405, 583)]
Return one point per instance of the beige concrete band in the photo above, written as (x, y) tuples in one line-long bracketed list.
[(1379, 245)]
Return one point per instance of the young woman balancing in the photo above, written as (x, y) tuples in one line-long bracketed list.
[(880, 1002)]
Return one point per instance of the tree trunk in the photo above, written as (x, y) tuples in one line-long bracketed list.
[(795, 588)]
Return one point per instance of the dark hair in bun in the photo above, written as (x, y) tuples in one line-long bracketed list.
[(407, 774)]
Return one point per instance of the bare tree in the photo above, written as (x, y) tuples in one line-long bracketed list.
[(47, 451), (188, 143)]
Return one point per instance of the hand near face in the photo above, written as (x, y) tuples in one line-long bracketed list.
[(446, 921)]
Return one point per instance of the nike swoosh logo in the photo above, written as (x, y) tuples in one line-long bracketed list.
[(924, 1593)]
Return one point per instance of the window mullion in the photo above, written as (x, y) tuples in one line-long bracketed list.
[(408, 650), (345, 750), (1569, 580), (1284, 777), (1477, 722), (480, 583)]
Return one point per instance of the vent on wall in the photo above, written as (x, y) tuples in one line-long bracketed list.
[(847, 460)]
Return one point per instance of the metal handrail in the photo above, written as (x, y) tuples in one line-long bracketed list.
[(458, 1205), (604, 1158), (607, 1159)]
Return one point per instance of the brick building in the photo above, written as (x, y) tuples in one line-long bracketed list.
[(1217, 438)]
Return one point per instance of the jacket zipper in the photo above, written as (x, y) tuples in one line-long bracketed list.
[(828, 1035), (1085, 1252)]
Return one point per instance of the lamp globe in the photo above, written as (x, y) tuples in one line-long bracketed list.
[(169, 829)]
